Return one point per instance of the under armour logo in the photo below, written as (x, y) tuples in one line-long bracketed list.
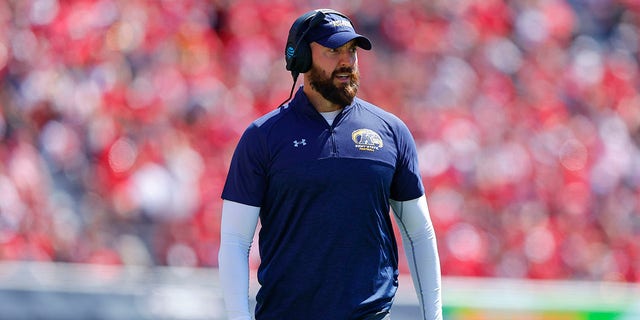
[(297, 143)]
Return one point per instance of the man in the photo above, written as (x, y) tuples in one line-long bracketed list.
[(320, 173)]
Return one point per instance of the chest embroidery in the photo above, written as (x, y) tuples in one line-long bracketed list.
[(367, 140), (302, 142)]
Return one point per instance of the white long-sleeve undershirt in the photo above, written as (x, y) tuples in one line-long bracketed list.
[(239, 222), (420, 247)]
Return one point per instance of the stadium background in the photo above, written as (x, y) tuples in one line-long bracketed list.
[(118, 119)]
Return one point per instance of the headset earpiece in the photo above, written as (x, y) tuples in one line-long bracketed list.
[(298, 52)]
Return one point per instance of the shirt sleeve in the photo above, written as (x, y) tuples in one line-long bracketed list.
[(239, 222), (247, 179), (419, 242), (407, 182)]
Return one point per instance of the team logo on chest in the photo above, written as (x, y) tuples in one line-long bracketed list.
[(366, 140)]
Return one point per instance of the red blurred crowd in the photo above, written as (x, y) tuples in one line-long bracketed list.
[(118, 119)]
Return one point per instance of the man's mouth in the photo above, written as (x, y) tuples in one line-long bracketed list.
[(343, 76)]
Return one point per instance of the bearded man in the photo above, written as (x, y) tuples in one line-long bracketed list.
[(321, 173)]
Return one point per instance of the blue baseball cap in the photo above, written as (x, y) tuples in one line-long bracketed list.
[(335, 30)]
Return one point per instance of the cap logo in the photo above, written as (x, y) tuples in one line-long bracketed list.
[(340, 23)]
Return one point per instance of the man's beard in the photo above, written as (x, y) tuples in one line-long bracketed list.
[(342, 94)]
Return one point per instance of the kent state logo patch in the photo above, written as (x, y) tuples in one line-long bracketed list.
[(366, 140)]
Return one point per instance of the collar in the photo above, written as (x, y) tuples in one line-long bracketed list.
[(301, 103)]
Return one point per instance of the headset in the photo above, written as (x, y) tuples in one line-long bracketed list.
[(297, 53)]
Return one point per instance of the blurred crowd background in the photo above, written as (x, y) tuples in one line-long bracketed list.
[(118, 119)]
